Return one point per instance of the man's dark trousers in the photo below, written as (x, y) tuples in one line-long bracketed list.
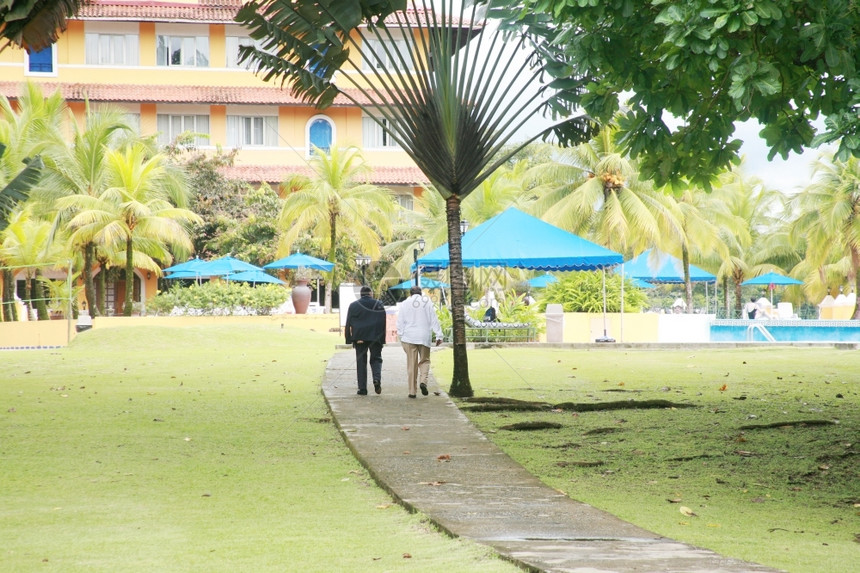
[(362, 349)]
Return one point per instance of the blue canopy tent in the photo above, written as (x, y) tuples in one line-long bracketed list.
[(516, 240)]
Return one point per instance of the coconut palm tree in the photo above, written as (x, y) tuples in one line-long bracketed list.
[(594, 190), (27, 244), (336, 203), (752, 212), (138, 211), (79, 171), (829, 219)]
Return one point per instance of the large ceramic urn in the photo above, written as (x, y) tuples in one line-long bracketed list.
[(301, 296)]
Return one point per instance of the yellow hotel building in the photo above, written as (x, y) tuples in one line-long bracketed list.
[(174, 67)]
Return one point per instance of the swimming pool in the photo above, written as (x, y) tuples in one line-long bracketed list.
[(733, 330)]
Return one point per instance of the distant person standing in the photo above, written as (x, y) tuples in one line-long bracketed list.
[(750, 309), (365, 330), (416, 320)]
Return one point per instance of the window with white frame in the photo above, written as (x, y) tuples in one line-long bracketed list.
[(112, 49), (252, 130), (43, 61), (320, 132), (374, 136), (185, 51), (375, 56), (172, 126), (233, 43), (406, 202)]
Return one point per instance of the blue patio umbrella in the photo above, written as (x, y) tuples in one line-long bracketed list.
[(425, 283), (186, 275), (254, 277), (542, 281), (300, 260), (664, 269), (224, 266), (771, 279), (186, 266)]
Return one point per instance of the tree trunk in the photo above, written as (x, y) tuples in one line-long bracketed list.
[(101, 303), (461, 387), (726, 296), (688, 285), (10, 309), (738, 296), (855, 266), (129, 278), (332, 254), (89, 286), (40, 295)]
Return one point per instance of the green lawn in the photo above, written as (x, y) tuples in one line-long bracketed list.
[(785, 496), (194, 449)]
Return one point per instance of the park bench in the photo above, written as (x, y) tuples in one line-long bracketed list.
[(478, 331)]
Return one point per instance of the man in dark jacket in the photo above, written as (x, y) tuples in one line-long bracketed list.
[(365, 330)]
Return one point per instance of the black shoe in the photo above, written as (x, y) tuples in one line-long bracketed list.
[(377, 387), (411, 395), (423, 387), (362, 392)]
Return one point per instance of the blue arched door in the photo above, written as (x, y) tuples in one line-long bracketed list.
[(319, 134)]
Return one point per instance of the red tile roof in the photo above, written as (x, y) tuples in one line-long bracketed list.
[(274, 174), (137, 93), (213, 11)]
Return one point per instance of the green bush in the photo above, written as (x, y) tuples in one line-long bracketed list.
[(583, 292), (219, 298)]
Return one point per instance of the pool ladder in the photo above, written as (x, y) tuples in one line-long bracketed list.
[(764, 332)]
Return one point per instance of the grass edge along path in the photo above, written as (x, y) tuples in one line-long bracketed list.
[(195, 449), (713, 475)]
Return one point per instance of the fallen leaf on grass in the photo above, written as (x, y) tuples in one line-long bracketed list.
[(674, 500), (407, 556), (724, 387), (444, 458), (687, 511), (383, 506), (405, 428)]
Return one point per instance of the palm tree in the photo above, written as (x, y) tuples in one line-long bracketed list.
[(137, 211), (436, 88), (79, 171), (829, 220), (595, 190), (27, 243), (334, 203), (752, 211)]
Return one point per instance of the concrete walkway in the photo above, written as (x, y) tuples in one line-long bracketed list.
[(428, 455)]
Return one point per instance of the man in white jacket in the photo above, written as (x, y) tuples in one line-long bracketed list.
[(416, 320)]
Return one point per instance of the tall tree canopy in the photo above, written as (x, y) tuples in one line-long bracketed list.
[(708, 63), (432, 74)]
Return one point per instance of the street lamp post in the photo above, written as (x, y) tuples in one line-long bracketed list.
[(362, 261), (415, 252)]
